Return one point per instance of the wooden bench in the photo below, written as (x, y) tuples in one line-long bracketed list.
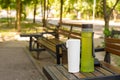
[(105, 71), (56, 41), (112, 45)]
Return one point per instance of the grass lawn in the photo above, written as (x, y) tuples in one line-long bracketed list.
[(27, 26)]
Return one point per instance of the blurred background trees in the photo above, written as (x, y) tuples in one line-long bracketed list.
[(73, 9)]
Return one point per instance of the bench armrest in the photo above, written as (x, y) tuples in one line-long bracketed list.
[(99, 49)]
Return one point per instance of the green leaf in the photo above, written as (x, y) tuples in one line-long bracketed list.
[(107, 32)]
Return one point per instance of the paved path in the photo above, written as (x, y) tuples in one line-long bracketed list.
[(15, 64)]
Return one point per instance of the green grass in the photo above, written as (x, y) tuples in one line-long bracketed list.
[(27, 26)]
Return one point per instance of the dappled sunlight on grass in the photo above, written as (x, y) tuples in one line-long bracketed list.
[(8, 29), (26, 26)]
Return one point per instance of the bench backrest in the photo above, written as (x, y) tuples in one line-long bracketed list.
[(70, 30), (66, 30), (49, 28), (112, 45)]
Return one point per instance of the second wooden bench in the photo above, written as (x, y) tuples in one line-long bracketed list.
[(56, 41)]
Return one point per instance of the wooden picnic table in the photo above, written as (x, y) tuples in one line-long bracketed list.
[(104, 72)]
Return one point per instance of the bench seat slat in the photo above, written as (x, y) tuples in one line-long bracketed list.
[(57, 73), (50, 76), (66, 73), (97, 73), (106, 73), (89, 75), (115, 69), (55, 41), (47, 45)]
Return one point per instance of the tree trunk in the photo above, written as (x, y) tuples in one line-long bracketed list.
[(35, 7), (61, 11), (44, 15), (107, 14), (106, 22), (34, 13), (18, 8)]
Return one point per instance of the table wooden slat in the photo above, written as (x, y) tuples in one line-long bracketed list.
[(66, 73), (60, 72), (57, 73), (48, 73), (105, 72), (88, 75), (110, 67), (97, 73), (79, 75)]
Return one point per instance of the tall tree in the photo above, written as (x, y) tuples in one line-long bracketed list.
[(61, 12), (44, 14), (7, 4), (35, 8), (107, 11), (18, 17)]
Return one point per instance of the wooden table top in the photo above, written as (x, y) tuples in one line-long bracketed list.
[(104, 72)]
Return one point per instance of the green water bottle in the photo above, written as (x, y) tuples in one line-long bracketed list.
[(87, 60)]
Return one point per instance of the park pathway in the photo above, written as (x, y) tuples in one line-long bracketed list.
[(15, 63)]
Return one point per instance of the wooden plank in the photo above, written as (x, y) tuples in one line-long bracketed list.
[(97, 73), (88, 75), (113, 45), (47, 45), (55, 41), (112, 40), (79, 75), (75, 36), (115, 69), (57, 73), (64, 34), (105, 72), (66, 73), (65, 31), (76, 33), (50, 28), (113, 51), (47, 41), (72, 24), (49, 74), (69, 33)]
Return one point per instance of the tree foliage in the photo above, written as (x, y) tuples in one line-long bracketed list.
[(104, 8)]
